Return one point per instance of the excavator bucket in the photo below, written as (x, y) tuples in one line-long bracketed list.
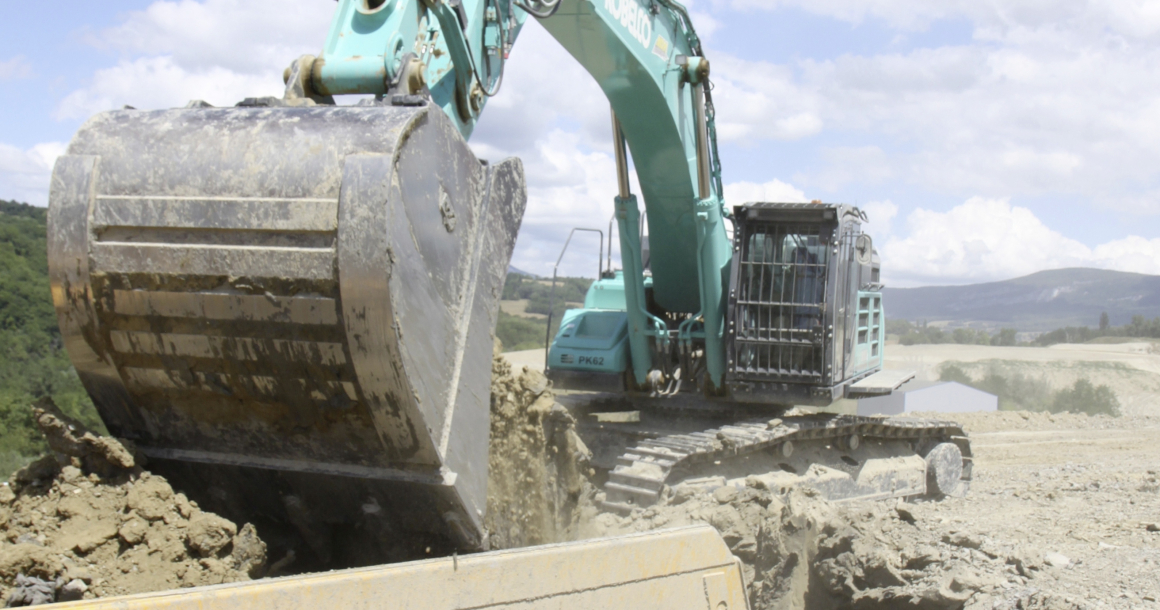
[(290, 311)]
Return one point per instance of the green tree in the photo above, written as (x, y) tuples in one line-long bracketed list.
[(32, 360), (1005, 337), (1104, 323), (1083, 397), (949, 371)]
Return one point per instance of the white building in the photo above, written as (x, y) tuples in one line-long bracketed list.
[(930, 396)]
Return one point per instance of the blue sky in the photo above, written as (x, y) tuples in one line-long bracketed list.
[(986, 141)]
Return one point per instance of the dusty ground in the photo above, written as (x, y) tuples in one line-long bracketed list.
[(1086, 489)]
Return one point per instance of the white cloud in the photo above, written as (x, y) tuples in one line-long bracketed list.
[(758, 100), (246, 36), (774, 191), (881, 215), (543, 88), (989, 239), (1132, 253), (24, 174), (567, 187), (159, 82), (1047, 98), (220, 51), (17, 67), (1138, 18)]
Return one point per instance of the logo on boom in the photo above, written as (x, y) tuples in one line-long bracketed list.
[(633, 17)]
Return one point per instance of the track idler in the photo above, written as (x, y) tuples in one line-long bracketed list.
[(291, 311)]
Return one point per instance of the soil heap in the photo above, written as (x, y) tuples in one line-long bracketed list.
[(88, 521), (538, 466)]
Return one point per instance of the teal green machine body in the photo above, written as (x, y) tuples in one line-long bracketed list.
[(677, 317)]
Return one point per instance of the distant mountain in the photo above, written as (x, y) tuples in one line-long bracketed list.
[(1038, 302), (512, 269)]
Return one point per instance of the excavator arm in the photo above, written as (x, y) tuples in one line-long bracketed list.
[(647, 59)]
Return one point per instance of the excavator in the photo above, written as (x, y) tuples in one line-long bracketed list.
[(289, 304)]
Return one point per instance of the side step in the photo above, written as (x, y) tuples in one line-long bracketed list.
[(879, 384)]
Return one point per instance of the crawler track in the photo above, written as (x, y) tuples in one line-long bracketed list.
[(643, 471)]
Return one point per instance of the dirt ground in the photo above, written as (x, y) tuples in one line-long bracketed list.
[(1081, 496), (1064, 512)]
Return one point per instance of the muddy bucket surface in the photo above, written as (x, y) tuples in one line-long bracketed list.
[(292, 306)]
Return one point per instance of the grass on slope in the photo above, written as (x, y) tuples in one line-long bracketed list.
[(32, 361)]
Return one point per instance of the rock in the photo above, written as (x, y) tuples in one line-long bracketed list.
[(71, 474), (208, 533), (30, 560), (1024, 561), (32, 591), (725, 495), (81, 573), (682, 493), (963, 539), (87, 535), (920, 557), (184, 506), (745, 548), (73, 506), (725, 519), (879, 572), (151, 498), (534, 381), (249, 554), (69, 437), (72, 591), (1056, 560), (27, 538), (6, 494), (1152, 527), (904, 512), (42, 469), (133, 531), (967, 580)]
